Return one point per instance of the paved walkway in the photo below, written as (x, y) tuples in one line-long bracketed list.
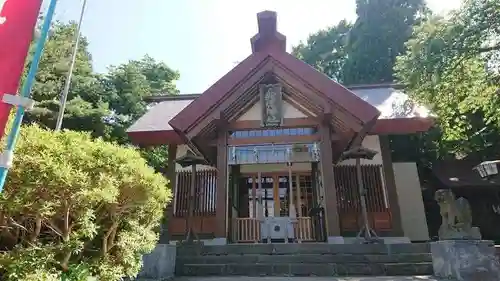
[(239, 278)]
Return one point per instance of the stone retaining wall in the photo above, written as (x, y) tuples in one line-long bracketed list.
[(159, 264)]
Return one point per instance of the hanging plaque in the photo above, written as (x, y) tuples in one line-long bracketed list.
[(271, 97)]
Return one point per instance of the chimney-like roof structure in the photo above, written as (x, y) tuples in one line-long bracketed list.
[(268, 37)]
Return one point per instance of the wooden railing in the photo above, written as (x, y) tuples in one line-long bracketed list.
[(303, 229), (307, 228), (246, 230), (204, 198), (348, 198)]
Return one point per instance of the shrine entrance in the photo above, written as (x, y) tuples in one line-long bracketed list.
[(277, 207), (275, 194)]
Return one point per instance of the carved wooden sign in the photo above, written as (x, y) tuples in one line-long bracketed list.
[(271, 98)]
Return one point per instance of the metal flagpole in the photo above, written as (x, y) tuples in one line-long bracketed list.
[(64, 96), (7, 155)]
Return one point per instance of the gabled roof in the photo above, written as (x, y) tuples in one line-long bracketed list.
[(269, 57), (153, 128), (352, 112), (391, 101), (387, 98)]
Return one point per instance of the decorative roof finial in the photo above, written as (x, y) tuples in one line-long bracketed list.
[(268, 36)]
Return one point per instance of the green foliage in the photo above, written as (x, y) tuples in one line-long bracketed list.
[(377, 37), (451, 65), (363, 52), (103, 104), (78, 205), (325, 50), (28, 264)]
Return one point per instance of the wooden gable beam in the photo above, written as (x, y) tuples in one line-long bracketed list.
[(311, 94), (243, 125), (232, 98), (299, 90), (346, 100), (198, 109), (283, 139), (275, 140)]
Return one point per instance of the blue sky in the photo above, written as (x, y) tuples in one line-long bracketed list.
[(203, 39)]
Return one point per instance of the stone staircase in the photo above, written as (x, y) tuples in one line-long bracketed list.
[(304, 260)]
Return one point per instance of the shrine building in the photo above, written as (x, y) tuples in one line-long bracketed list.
[(272, 132)]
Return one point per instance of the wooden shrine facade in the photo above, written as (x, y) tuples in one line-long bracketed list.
[(245, 228), (272, 131)]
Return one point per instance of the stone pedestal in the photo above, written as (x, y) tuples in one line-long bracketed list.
[(159, 264), (465, 260)]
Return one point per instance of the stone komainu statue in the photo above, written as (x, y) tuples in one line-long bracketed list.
[(456, 217)]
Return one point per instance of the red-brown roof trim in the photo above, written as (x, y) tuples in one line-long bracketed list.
[(397, 126), (269, 43), (202, 104), (192, 96), (402, 126)]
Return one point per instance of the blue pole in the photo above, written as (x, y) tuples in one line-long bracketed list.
[(26, 90)]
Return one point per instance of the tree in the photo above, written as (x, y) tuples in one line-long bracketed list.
[(452, 67), (377, 37), (128, 84), (86, 88), (363, 52), (75, 203), (103, 104), (325, 50)]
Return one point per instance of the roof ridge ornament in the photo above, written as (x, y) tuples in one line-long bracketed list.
[(268, 38)]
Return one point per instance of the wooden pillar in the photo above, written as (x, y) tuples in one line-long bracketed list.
[(298, 194), (276, 196), (314, 184), (260, 206), (171, 176), (235, 198), (221, 193), (291, 205), (330, 200), (390, 186), (254, 196)]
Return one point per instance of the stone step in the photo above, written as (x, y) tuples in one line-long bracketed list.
[(305, 258), (305, 269), (305, 248)]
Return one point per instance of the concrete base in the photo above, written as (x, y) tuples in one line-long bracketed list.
[(245, 278), (465, 260), (331, 240), (215, 242), (335, 240), (386, 240), (473, 234), (207, 242), (159, 264), (304, 259)]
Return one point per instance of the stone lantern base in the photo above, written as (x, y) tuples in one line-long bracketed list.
[(465, 260)]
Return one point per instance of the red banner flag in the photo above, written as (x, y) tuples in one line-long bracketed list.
[(17, 23)]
